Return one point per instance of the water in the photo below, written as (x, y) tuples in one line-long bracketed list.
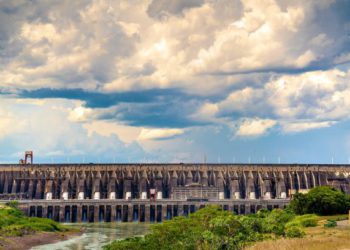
[(96, 235)]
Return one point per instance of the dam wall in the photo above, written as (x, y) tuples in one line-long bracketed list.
[(155, 192)]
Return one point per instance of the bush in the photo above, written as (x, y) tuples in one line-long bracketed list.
[(132, 243), (294, 232), (276, 221), (330, 223), (321, 200), (12, 204), (212, 228), (14, 223), (299, 204), (307, 220)]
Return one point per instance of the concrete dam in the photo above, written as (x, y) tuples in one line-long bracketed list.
[(157, 192)]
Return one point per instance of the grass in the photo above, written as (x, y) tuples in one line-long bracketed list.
[(14, 223), (317, 238), (306, 220), (336, 217)]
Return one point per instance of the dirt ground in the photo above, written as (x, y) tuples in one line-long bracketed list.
[(28, 241)]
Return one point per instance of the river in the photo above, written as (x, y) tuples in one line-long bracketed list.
[(96, 235)]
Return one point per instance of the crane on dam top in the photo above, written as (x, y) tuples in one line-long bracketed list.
[(28, 158)]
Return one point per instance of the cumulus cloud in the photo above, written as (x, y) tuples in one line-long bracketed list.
[(254, 127), (149, 70), (316, 95), (298, 102), (156, 134), (117, 46), (80, 114), (303, 126), (46, 130), (56, 53), (160, 8), (127, 134)]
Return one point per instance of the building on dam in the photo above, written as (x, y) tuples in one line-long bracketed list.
[(156, 192)]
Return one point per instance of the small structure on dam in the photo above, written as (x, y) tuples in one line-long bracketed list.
[(156, 192)]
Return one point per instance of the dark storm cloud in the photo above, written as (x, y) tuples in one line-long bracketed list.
[(103, 100), (156, 107), (165, 114)]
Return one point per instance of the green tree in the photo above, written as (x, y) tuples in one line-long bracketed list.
[(211, 228), (321, 200), (327, 201), (299, 203)]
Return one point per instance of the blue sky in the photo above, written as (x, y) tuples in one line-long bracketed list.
[(175, 81)]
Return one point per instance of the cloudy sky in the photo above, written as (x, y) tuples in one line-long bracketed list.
[(175, 81)]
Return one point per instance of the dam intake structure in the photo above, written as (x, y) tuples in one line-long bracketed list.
[(157, 192)]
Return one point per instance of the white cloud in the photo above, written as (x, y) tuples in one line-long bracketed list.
[(316, 95), (127, 134), (154, 134), (254, 127), (80, 114), (241, 100), (9, 122), (256, 41), (230, 56), (298, 102), (47, 131), (295, 127), (116, 46), (206, 112), (305, 59), (38, 32)]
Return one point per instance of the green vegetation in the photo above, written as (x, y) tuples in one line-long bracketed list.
[(213, 228), (322, 201), (320, 237), (294, 232), (330, 223), (14, 223), (306, 220)]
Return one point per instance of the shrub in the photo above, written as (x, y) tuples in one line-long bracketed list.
[(12, 204), (327, 201), (330, 223), (307, 220), (299, 203), (212, 228), (252, 223), (132, 243), (263, 213), (275, 221), (321, 200), (14, 223), (294, 232)]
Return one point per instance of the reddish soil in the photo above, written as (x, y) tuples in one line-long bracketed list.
[(27, 241)]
